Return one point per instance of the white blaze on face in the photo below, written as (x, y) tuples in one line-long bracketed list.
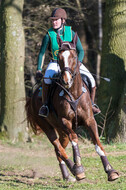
[(66, 54)]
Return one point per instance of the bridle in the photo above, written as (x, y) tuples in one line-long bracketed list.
[(73, 102), (73, 73)]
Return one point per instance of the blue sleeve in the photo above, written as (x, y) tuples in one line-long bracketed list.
[(44, 45), (79, 48)]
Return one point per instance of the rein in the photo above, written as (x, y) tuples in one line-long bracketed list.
[(73, 103)]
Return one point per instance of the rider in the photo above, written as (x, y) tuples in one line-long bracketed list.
[(58, 18)]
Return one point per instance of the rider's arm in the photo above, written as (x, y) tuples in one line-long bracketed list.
[(42, 52), (79, 48)]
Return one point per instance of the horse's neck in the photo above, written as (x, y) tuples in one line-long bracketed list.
[(76, 89)]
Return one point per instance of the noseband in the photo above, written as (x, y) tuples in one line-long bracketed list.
[(72, 73)]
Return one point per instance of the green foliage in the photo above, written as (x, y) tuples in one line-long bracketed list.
[(3, 136)]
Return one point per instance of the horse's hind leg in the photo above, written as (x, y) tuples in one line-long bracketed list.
[(92, 127), (61, 155)]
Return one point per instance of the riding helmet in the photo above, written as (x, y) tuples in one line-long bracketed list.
[(58, 13)]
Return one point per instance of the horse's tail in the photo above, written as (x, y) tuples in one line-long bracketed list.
[(31, 117)]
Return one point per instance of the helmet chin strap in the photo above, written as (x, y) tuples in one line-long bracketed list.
[(62, 25)]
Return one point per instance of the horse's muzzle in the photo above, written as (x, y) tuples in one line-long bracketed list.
[(67, 79)]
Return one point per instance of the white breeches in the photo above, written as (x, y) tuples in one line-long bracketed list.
[(85, 71), (53, 68)]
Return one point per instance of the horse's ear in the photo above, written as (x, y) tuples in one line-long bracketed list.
[(59, 41), (75, 38)]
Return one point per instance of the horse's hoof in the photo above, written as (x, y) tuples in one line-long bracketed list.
[(113, 175), (79, 172), (71, 179), (80, 176)]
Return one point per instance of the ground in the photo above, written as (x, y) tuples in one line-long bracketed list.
[(34, 165)]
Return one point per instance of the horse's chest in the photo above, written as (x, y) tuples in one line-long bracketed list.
[(65, 110), (64, 105)]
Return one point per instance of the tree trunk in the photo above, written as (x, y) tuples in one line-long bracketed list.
[(80, 28), (12, 70), (113, 66), (100, 36)]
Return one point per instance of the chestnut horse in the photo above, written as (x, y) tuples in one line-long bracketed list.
[(72, 106)]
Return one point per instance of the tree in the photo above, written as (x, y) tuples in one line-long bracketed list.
[(113, 66), (12, 70)]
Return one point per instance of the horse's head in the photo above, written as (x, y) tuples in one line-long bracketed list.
[(67, 59)]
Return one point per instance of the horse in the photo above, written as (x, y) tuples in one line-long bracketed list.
[(71, 107)]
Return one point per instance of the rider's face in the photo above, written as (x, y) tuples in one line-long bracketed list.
[(56, 23)]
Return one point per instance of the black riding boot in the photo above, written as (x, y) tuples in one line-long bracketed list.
[(44, 110)]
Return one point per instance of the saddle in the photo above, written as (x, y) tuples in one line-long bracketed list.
[(85, 79)]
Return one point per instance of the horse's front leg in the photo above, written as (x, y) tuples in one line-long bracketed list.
[(59, 146), (64, 140), (64, 170), (78, 169), (92, 127), (63, 159)]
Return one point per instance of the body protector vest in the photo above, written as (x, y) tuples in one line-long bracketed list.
[(66, 36)]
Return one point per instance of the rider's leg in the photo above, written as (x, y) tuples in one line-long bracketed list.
[(95, 108), (52, 69), (86, 72), (44, 110)]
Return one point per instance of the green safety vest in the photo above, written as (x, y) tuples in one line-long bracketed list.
[(66, 36)]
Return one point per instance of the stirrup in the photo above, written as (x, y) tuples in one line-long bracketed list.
[(44, 111), (96, 106)]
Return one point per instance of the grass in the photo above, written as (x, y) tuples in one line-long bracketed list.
[(33, 166)]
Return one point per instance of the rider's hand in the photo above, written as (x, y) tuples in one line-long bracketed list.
[(39, 75)]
